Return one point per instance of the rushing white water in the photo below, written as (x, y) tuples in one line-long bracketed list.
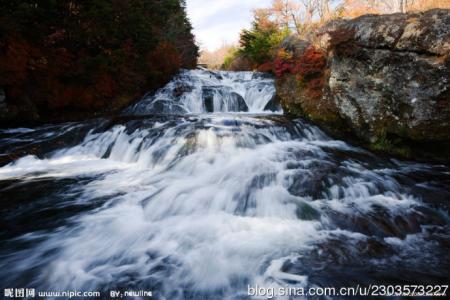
[(199, 91), (201, 206)]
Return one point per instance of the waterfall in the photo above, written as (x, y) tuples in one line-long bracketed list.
[(201, 90), (196, 192)]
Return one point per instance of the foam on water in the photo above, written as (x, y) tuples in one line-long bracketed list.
[(199, 91), (199, 207)]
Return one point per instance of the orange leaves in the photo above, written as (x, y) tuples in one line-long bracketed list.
[(284, 54)]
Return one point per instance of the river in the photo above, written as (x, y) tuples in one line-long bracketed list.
[(199, 191)]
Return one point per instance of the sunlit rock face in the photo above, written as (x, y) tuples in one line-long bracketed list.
[(386, 81)]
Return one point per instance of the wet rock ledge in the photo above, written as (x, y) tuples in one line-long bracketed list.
[(381, 80)]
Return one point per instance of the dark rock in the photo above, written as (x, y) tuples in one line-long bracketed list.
[(182, 88), (262, 75), (295, 45), (385, 82), (273, 104), (231, 100), (215, 75), (238, 102), (208, 99)]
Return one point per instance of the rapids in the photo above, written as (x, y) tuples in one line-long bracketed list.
[(190, 197), (201, 90)]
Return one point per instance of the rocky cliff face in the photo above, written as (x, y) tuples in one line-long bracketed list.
[(384, 81)]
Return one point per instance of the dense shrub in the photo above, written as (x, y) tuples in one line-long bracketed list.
[(261, 41), (85, 55)]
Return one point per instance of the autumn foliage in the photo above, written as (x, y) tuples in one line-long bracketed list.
[(90, 56), (261, 46)]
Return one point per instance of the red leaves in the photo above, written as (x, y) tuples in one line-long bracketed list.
[(14, 61), (309, 68), (104, 85), (165, 59), (79, 56), (55, 37), (283, 66), (311, 63)]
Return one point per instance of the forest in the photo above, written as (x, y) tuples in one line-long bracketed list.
[(66, 59)]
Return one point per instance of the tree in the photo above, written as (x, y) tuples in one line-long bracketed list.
[(310, 8), (286, 13), (85, 53), (358, 7), (323, 9), (258, 43)]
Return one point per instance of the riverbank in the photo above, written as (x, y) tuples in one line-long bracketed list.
[(181, 197), (379, 80)]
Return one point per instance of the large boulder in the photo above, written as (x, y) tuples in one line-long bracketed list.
[(385, 81), (273, 104), (228, 100)]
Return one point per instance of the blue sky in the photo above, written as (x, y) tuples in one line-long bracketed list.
[(219, 21)]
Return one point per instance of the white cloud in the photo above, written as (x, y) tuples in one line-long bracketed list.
[(219, 21)]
